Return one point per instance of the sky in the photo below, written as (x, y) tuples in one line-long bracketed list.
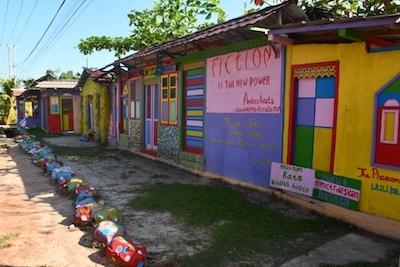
[(58, 49)]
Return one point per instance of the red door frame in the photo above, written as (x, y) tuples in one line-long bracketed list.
[(292, 108), (387, 149)]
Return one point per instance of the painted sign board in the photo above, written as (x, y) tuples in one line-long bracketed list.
[(243, 119), (244, 82), (337, 190), (292, 178)]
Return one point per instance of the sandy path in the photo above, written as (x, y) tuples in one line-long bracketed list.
[(38, 218)]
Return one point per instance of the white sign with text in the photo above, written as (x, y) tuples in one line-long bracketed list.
[(292, 178)]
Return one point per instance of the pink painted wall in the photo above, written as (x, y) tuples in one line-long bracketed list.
[(247, 81)]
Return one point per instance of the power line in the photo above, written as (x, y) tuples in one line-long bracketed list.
[(57, 31), (52, 41), (41, 38), (43, 50), (16, 20), (4, 23), (27, 22)]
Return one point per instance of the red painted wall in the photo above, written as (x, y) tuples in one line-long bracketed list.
[(53, 121)]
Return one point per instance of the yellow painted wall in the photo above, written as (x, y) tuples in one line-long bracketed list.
[(101, 109), (362, 74)]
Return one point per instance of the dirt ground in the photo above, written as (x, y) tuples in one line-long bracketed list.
[(36, 217)]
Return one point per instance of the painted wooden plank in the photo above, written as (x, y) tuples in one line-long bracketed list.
[(194, 87), (195, 71), (195, 118), (195, 97), (194, 143), (194, 133), (191, 82), (195, 92), (194, 77), (195, 112), (194, 128), (195, 108), (194, 123), (194, 102)]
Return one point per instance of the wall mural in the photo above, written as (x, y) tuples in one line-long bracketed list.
[(168, 143), (243, 114), (135, 140)]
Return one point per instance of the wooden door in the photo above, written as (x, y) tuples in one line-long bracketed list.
[(67, 114), (151, 115)]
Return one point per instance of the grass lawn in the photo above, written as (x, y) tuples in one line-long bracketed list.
[(39, 133), (87, 152), (240, 230)]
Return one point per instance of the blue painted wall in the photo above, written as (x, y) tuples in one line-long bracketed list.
[(242, 146)]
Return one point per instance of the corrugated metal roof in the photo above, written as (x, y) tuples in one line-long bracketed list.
[(57, 84), (96, 74), (17, 91), (326, 31), (29, 92), (227, 32)]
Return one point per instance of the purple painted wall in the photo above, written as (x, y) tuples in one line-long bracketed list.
[(243, 120), (242, 146)]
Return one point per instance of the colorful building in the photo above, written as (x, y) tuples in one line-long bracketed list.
[(311, 108), (209, 101), (342, 110), (94, 104), (59, 105), (28, 109)]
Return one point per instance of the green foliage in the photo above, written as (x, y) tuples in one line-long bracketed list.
[(8, 84), (69, 75), (167, 20), (239, 228), (29, 83)]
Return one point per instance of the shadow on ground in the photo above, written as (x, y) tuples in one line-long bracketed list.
[(194, 221)]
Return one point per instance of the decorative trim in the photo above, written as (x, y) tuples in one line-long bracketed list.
[(396, 126), (192, 66), (316, 71), (375, 126), (309, 71)]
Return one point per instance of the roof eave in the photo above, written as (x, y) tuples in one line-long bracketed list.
[(335, 25)]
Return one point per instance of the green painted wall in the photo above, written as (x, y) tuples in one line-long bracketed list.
[(203, 55), (101, 109)]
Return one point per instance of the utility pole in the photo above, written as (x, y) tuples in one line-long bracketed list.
[(11, 60)]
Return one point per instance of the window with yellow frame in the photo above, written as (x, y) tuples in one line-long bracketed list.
[(169, 99)]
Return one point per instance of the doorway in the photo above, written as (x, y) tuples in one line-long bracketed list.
[(151, 115), (67, 114)]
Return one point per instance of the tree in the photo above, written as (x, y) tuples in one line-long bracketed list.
[(7, 100), (346, 7), (8, 84), (69, 75), (29, 83), (167, 20)]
